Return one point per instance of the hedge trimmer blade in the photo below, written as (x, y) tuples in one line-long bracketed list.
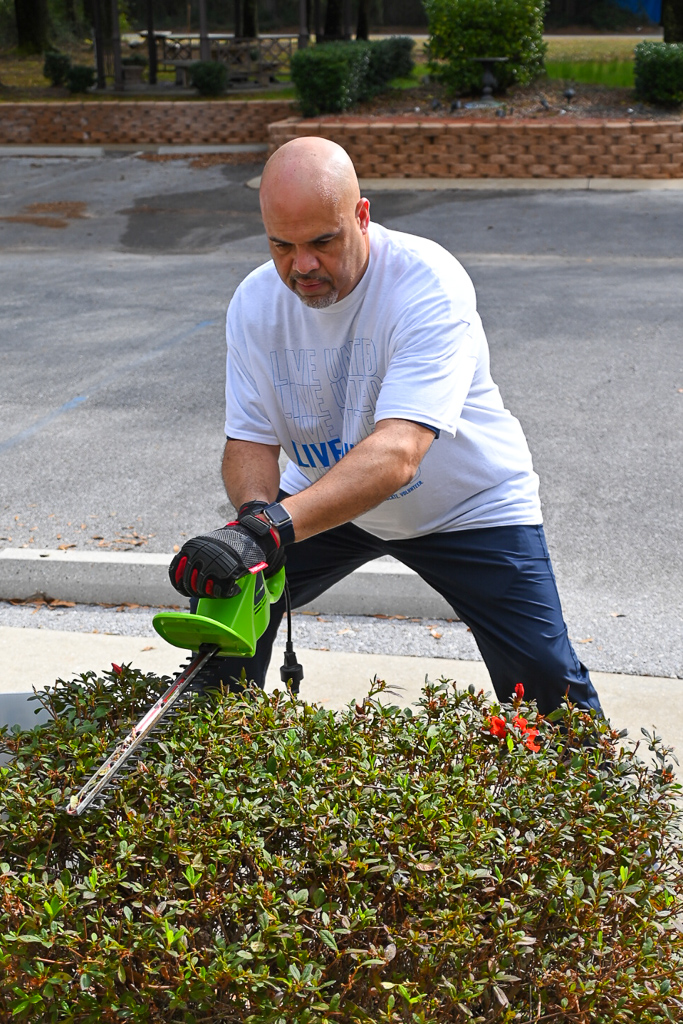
[(133, 742)]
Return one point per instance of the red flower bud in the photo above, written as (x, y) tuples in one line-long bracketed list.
[(519, 691), (116, 669)]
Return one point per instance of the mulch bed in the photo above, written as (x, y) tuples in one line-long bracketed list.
[(542, 100)]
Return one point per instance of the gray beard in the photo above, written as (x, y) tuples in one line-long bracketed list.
[(320, 301)]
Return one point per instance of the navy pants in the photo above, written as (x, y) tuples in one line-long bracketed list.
[(499, 581)]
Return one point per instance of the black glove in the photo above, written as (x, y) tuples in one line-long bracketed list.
[(210, 565)]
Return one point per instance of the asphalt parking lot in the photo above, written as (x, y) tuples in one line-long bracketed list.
[(116, 275)]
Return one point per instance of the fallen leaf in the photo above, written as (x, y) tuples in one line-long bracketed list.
[(618, 615), (426, 865), (96, 537), (62, 604), (323, 648), (341, 632), (65, 547), (150, 647), (437, 636), (588, 640)]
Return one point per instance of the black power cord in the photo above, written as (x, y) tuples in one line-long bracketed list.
[(291, 672)]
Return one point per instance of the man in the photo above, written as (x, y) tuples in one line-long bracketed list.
[(359, 352)]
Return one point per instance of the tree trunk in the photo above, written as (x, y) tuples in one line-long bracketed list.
[(116, 46), (32, 25), (672, 20), (250, 25), (363, 25), (70, 11), (204, 41), (98, 35), (334, 16), (151, 44)]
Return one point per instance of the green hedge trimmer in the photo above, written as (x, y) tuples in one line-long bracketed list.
[(222, 627)]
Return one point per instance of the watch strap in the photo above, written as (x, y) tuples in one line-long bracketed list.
[(279, 517)]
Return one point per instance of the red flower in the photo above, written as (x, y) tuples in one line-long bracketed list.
[(116, 669), (498, 727), (519, 691), (520, 723), (529, 737)]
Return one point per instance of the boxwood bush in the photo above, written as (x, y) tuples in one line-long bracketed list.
[(56, 67), (80, 78), (462, 29), (331, 77), (659, 72), (209, 77), (274, 862)]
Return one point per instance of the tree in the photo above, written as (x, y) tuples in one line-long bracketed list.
[(672, 20), (363, 23), (32, 25), (334, 16)]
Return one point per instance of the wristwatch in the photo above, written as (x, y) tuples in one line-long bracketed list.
[(278, 516)]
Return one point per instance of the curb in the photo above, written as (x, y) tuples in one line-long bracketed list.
[(99, 577), (513, 184), (116, 149)]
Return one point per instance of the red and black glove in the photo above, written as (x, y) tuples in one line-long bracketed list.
[(211, 564)]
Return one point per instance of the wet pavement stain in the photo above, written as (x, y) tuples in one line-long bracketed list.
[(187, 222)]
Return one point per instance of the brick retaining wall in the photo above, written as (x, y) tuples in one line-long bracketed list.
[(402, 148), (225, 122)]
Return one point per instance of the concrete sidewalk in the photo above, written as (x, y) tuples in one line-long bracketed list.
[(36, 657)]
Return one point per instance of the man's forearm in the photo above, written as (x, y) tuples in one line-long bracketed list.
[(251, 471), (366, 476)]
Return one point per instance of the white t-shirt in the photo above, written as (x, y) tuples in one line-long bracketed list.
[(406, 343)]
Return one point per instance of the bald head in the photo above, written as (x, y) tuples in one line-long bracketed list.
[(309, 170), (315, 219)]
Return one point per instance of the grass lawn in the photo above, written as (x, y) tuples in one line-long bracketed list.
[(600, 60), (615, 73)]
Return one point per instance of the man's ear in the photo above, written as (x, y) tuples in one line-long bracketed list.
[(363, 213)]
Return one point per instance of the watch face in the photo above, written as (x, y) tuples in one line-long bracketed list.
[(278, 515)]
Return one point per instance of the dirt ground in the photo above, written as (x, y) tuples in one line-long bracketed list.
[(542, 100)]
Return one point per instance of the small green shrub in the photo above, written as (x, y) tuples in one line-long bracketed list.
[(56, 67), (135, 60), (394, 55), (462, 29), (659, 72), (274, 862), (80, 78), (331, 77), (209, 77)]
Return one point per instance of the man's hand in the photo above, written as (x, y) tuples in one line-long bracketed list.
[(210, 565)]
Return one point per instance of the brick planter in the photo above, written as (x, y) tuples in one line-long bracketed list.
[(218, 122), (557, 148)]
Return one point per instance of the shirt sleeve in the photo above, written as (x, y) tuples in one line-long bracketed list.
[(433, 358), (246, 418)]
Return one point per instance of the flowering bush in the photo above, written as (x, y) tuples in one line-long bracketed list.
[(276, 863)]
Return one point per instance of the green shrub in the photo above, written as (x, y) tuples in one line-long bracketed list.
[(80, 78), (135, 60), (462, 29), (274, 862), (56, 67), (395, 54), (659, 72), (331, 77), (209, 77)]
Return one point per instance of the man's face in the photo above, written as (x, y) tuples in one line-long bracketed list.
[(320, 250)]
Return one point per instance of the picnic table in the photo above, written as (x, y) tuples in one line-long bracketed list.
[(259, 59)]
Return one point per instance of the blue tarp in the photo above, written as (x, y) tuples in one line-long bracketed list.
[(653, 8)]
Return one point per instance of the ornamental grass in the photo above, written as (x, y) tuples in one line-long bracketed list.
[(272, 861)]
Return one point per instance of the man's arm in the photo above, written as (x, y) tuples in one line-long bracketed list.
[(381, 464), (251, 471)]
